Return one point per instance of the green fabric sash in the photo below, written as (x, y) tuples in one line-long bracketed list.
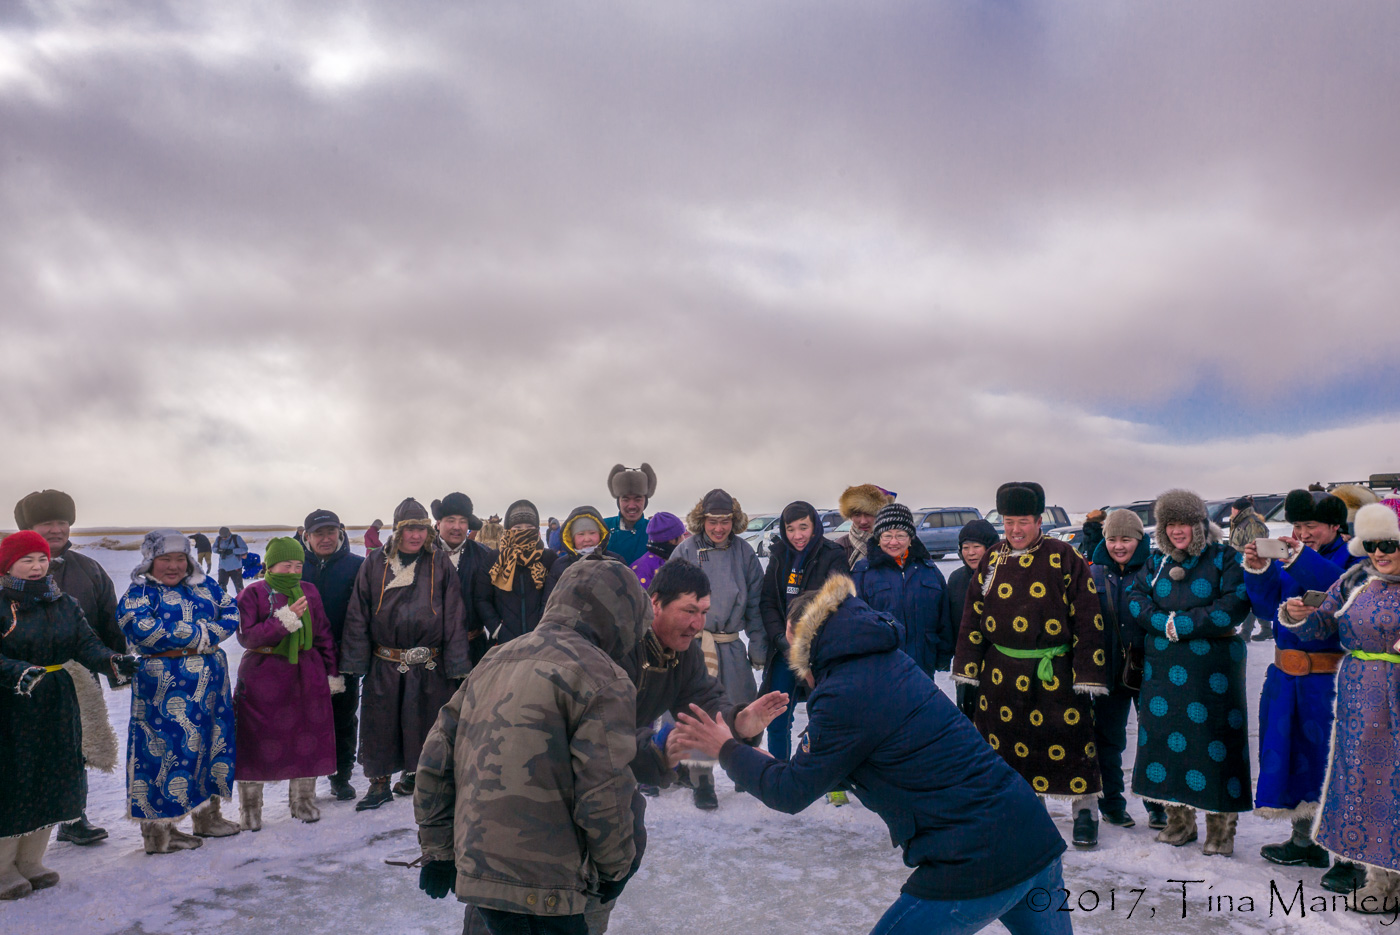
[(1046, 670), (290, 587), (1375, 657)]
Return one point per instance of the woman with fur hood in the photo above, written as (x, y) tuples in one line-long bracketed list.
[(736, 584), (1193, 748), (180, 743), (286, 728), (41, 733), (1361, 797), (406, 632)]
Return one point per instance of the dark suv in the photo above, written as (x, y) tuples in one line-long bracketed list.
[(939, 527)]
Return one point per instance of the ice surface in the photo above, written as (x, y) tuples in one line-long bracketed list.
[(741, 869)]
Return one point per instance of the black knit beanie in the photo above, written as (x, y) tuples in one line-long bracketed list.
[(894, 516)]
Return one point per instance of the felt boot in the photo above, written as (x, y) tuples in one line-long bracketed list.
[(209, 823), (301, 795), (1220, 833), (1378, 894), (29, 860), (250, 802), (1181, 826), (13, 885), (160, 837)]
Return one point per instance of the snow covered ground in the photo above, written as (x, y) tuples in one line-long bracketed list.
[(741, 869)]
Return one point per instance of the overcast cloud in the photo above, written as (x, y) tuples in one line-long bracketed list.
[(256, 259)]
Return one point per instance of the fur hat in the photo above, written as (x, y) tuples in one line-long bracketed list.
[(1243, 503), (521, 511), (160, 542), (17, 545), (1374, 522), (1183, 506), (1021, 498), (43, 506), (864, 498), (893, 516), (663, 527), (632, 482), (410, 513), (716, 503), (1096, 516), (978, 530), (1123, 524), (1306, 506), (1355, 497), (454, 504)]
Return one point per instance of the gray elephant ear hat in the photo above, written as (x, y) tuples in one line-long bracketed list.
[(632, 482), (160, 542)]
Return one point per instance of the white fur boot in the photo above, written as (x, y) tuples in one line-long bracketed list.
[(208, 823), (29, 859), (160, 837), (250, 802), (1379, 894), (13, 885), (301, 794)]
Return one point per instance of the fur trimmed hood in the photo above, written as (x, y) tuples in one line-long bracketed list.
[(837, 626), (695, 519), (863, 498), (1355, 497), (566, 534)]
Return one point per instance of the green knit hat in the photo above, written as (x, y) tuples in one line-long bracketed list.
[(283, 549)]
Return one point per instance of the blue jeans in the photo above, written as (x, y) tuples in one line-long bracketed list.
[(1037, 916), (780, 729)]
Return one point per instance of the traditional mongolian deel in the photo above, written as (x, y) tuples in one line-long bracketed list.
[(180, 744), (1193, 748), (1295, 710), (41, 769), (1032, 639)]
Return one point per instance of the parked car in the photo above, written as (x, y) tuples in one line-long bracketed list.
[(1264, 504), (1054, 517), (939, 527), (1074, 535), (760, 532)]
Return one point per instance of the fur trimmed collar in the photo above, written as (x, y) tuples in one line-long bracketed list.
[(830, 597)]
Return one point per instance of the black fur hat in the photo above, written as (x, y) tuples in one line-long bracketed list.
[(1021, 498), (454, 504), (44, 506), (1307, 506)]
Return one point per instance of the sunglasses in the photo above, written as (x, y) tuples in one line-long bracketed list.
[(1383, 546)]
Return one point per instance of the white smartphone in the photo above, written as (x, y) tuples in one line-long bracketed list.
[(1271, 548)]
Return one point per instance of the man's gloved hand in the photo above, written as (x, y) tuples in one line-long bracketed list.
[(126, 666), (609, 890), (437, 878)]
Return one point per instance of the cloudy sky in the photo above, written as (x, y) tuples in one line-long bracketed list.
[(260, 258)]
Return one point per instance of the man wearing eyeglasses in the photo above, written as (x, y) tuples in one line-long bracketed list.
[(1300, 688)]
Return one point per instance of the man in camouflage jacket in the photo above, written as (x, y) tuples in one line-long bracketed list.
[(524, 799)]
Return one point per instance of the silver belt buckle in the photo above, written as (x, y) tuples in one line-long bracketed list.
[(419, 656)]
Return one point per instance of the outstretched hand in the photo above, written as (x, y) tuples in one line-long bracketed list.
[(699, 731), (751, 721)]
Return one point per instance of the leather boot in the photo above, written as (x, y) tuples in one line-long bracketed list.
[(209, 823), (1378, 894), (1220, 833), (13, 885), (1181, 826), (379, 793), (705, 797), (1086, 829), (250, 803), (161, 837), (1344, 877), (340, 785), (406, 783), (29, 860), (1156, 815), (81, 832), (301, 795), (1299, 850)]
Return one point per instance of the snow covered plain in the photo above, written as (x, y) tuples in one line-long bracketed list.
[(740, 869)]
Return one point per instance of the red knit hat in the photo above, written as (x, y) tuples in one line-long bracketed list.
[(18, 545)]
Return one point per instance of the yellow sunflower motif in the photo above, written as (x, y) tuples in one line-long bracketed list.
[(1005, 713), (996, 676), (1020, 624), (1056, 752), (1053, 684), (1069, 578), (1023, 682), (1040, 784), (995, 743), (977, 607), (982, 702), (1004, 590), (1037, 718), (1077, 785), (1022, 750), (1027, 561), (1054, 560), (974, 637), (1098, 621), (970, 670), (1071, 716), (1052, 626), (1037, 590), (1093, 588), (990, 624), (1099, 657), (1090, 750)]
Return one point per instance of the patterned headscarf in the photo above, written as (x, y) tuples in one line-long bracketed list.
[(519, 547)]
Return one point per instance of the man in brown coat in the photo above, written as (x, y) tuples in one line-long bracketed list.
[(524, 802), (406, 632)]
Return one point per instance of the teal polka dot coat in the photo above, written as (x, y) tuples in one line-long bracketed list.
[(1193, 748)]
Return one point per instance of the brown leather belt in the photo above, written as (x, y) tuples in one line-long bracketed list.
[(1297, 662), (417, 656), (176, 653)]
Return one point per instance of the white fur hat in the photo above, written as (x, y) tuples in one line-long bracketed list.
[(160, 542), (1374, 521)]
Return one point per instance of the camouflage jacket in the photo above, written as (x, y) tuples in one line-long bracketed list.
[(524, 779)]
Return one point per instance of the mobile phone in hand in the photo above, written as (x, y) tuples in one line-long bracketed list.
[(1314, 598), (1270, 548)]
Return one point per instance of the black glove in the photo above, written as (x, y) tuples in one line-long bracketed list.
[(437, 878), (608, 890), (126, 666)]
